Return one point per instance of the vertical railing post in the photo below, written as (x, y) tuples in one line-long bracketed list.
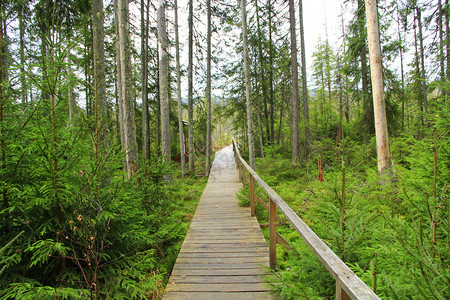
[(252, 196), (340, 293), (272, 235)]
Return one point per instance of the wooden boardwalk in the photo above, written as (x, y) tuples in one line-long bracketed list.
[(224, 251)]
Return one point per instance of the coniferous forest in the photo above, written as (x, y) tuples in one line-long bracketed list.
[(110, 113)]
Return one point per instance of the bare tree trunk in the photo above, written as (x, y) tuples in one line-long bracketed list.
[(163, 80), (271, 108), (251, 142), (422, 61), (262, 76), (402, 72), (304, 81), (376, 70), (101, 128), (129, 127), (295, 96), (441, 41), (119, 84), (191, 88), (447, 29), (144, 77), (23, 84), (2, 109), (180, 113), (208, 89)]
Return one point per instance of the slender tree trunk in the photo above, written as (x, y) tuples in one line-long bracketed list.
[(376, 70), (402, 72), (23, 84), (251, 142), (272, 96), (180, 112), (441, 41), (304, 81), (208, 89), (191, 88), (2, 110), (163, 80), (101, 128), (417, 69), (367, 103), (129, 127), (118, 82), (262, 73), (295, 96), (447, 30), (144, 77), (422, 61)]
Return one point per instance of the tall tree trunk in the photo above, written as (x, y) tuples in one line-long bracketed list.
[(251, 142), (447, 43), (422, 61), (129, 128), (191, 88), (262, 73), (376, 70), (402, 72), (304, 81), (295, 96), (208, 89), (180, 112), (272, 96), (441, 41), (367, 103), (23, 84), (2, 110), (163, 80), (144, 77), (98, 45)]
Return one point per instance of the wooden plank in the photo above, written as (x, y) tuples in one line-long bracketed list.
[(221, 260), (218, 287), (177, 279), (218, 295), (226, 272), (221, 267)]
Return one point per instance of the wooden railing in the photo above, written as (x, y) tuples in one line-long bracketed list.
[(348, 285)]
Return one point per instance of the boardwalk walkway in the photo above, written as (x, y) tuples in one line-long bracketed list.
[(224, 250)]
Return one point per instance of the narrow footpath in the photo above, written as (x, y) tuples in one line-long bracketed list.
[(224, 252)]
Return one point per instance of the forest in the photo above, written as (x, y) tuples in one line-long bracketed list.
[(110, 113)]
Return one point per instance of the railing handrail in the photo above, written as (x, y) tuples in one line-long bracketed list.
[(345, 278)]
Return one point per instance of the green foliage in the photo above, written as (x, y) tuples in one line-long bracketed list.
[(394, 235)]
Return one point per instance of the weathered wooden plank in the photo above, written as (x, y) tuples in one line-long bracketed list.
[(227, 272), (205, 279), (218, 287), (221, 260), (241, 253), (218, 295)]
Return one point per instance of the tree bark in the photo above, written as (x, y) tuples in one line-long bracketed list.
[(163, 80), (191, 88), (2, 111), (271, 99), (144, 77), (304, 81), (294, 71), (376, 70), (422, 60), (180, 109), (23, 84), (101, 128), (129, 128), (251, 142), (208, 89)]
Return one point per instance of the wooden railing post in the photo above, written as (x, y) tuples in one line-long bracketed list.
[(272, 234), (340, 293), (252, 196)]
